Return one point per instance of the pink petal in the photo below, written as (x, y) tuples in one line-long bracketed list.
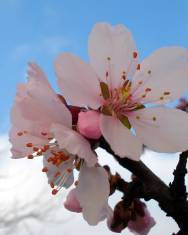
[(142, 225), (38, 101), (77, 81), (72, 203), (116, 43), (25, 131), (162, 129), (92, 192), (165, 71), (120, 138), (88, 124), (74, 143)]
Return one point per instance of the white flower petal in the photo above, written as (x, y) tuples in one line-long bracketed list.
[(25, 131), (74, 143), (162, 129), (117, 44), (77, 81), (120, 138), (92, 192), (38, 101), (166, 70)]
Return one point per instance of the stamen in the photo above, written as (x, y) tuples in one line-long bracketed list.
[(162, 98), (35, 149), (166, 93), (147, 89), (45, 169), (43, 133), (149, 71), (54, 191), (154, 118), (138, 67), (30, 156), (135, 54), (29, 145), (20, 133), (138, 117)]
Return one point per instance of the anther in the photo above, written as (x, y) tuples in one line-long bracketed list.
[(144, 96), (76, 183), (138, 117), (45, 169), (35, 149), (30, 156), (147, 89), (69, 170), (166, 93), (52, 185), (108, 58), (149, 71), (43, 133), (54, 191), (138, 67), (161, 98), (135, 54), (20, 133), (140, 82), (154, 118), (29, 145), (106, 74)]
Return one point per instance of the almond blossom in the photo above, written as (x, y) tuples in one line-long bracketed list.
[(129, 95), (42, 126)]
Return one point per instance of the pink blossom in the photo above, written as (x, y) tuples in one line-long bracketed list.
[(42, 127), (118, 86), (142, 225), (72, 203), (88, 124)]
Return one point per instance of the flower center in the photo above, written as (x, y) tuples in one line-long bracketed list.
[(118, 102)]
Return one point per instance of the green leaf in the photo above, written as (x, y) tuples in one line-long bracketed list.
[(125, 121), (104, 90)]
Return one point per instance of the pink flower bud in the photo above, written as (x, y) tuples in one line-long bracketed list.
[(88, 124), (142, 224), (72, 203)]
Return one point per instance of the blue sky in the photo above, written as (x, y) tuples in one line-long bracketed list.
[(38, 30)]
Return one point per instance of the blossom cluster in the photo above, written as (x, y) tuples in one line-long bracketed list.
[(114, 97)]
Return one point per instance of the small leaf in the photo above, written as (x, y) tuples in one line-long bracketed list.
[(104, 90), (125, 121)]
